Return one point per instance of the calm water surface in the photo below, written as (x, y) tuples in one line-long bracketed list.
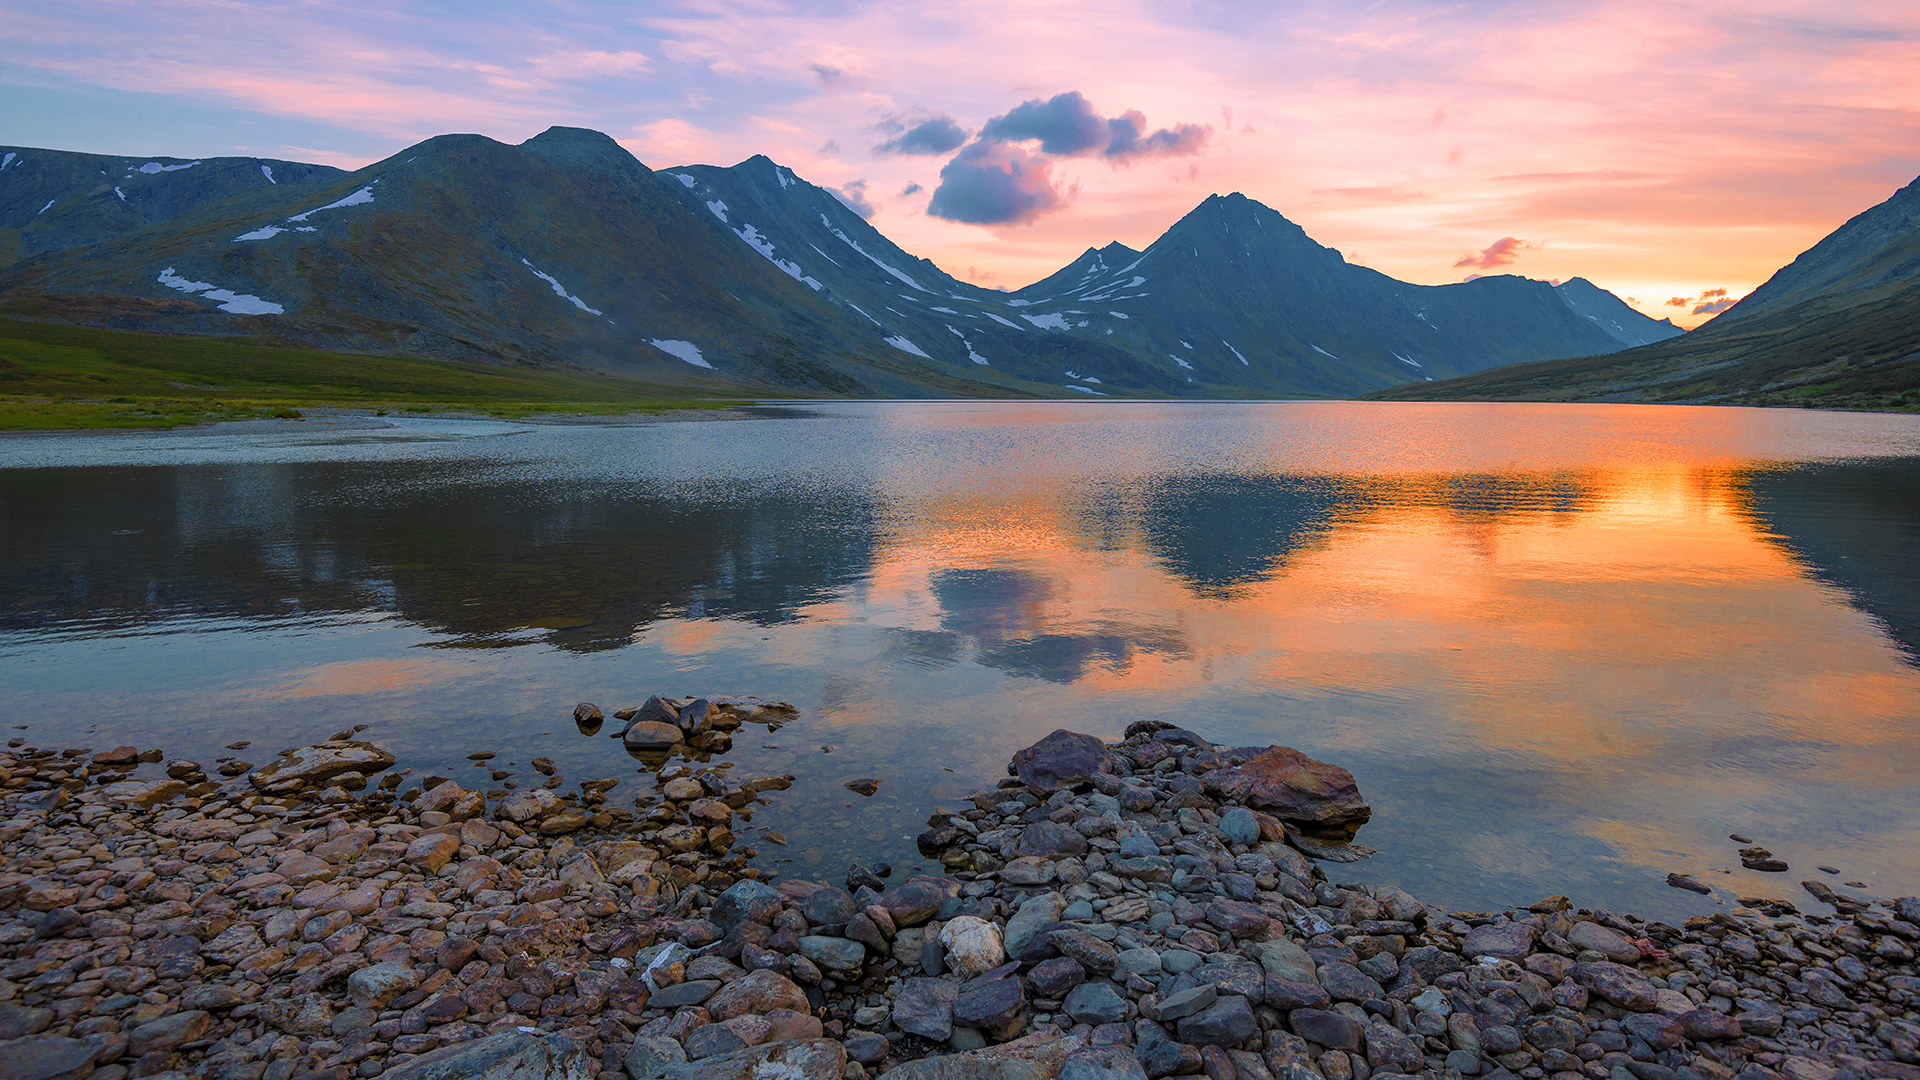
[(1563, 648)]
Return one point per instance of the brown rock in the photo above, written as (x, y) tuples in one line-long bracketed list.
[(311, 765), (757, 992), (1062, 759), (433, 851), (169, 1032), (1319, 798)]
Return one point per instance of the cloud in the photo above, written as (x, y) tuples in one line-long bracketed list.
[(854, 194), (998, 179), (1680, 301), (1128, 142), (1067, 125), (940, 135), (913, 188), (1501, 252), (996, 183), (1709, 294), (1714, 308)]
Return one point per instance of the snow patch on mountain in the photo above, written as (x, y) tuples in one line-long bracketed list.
[(45, 208), (971, 355), (764, 246), (1003, 322), (899, 341), (559, 289), (1047, 322), (1406, 360), (237, 303), (152, 167), (8, 160), (1119, 314), (848, 240), (358, 198), (1181, 362), (1236, 352), (719, 210), (122, 194), (1323, 352), (267, 171), (264, 232), (682, 350)]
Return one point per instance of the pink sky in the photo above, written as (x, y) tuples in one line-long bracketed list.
[(1661, 151)]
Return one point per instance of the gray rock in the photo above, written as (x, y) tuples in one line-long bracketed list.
[(1390, 1051), (648, 1059), (1097, 955), (311, 765), (711, 1040), (1512, 941), (169, 1032), (1234, 977), (792, 1059), (1622, 986), (866, 1047), (1053, 978), (373, 986), (691, 992), (18, 1021), (1138, 962), (1095, 1003), (828, 907), (655, 735), (1336, 1031), (1164, 1057), (1185, 1003), (924, 1007), (1035, 913), (1239, 826), (1040, 1056), (995, 1006), (1287, 960), (509, 1055), (1287, 995), (832, 953), (1103, 1063), (1226, 1022), (1062, 759), (1237, 917), (1051, 840), (47, 1057), (1344, 982), (1590, 935), (745, 901)]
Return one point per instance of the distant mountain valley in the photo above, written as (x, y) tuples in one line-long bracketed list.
[(565, 251)]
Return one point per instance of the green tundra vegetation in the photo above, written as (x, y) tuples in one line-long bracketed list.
[(55, 377)]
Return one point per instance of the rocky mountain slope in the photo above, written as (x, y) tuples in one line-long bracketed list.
[(566, 250), (53, 200), (1838, 327)]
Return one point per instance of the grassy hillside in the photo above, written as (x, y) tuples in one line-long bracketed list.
[(56, 376), (1821, 354)]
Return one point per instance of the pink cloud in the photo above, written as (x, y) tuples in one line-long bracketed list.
[(1502, 252), (1714, 308)]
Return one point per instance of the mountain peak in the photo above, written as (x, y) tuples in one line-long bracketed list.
[(583, 146)]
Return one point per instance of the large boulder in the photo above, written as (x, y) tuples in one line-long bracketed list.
[(793, 1059), (1062, 759), (518, 1054), (1039, 1056), (1321, 800), (309, 766)]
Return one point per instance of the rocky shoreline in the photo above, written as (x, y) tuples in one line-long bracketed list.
[(1161, 906)]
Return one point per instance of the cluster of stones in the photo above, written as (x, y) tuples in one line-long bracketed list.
[(1137, 910), (278, 926)]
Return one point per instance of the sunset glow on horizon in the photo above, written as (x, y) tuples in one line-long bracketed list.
[(1676, 155)]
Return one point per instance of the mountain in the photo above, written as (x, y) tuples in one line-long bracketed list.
[(562, 251), (917, 309), (1838, 327), (52, 200), (567, 251)]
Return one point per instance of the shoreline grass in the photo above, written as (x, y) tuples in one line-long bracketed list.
[(58, 377)]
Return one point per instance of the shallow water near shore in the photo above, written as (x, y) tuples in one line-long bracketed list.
[(1564, 649)]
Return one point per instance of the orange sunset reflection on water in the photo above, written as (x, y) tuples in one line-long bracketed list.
[(1562, 648)]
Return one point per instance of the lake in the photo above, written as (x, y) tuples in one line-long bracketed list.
[(1564, 649)]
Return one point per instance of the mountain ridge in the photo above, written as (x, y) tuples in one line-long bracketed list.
[(567, 251)]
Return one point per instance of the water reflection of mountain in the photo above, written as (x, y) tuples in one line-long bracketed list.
[(1219, 533), (1856, 525), (581, 567), (1004, 611)]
